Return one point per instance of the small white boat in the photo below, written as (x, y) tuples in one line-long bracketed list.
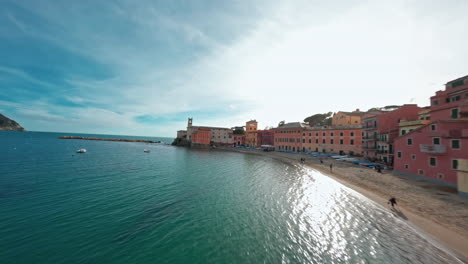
[(146, 150), (81, 151)]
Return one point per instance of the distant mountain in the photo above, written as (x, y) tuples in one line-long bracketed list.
[(9, 125)]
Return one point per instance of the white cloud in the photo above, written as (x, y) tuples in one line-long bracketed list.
[(298, 58)]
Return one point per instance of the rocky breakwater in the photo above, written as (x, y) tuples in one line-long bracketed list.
[(109, 139), (7, 124)]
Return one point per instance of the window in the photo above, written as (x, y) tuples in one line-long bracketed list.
[(454, 113), (399, 154), (341, 134), (323, 134), (455, 164), (341, 142), (435, 102), (303, 140), (421, 172), (303, 134), (433, 127), (436, 141), (406, 166), (455, 143), (403, 132), (331, 141), (432, 161), (351, 142), (316, 134), (323, 141), (331, 134), (352, 134), (457, 83), (310, 134), (413, 156), (316, 141), (409, 141)]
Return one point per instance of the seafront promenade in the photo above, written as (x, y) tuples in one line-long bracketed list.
[(435, 209)]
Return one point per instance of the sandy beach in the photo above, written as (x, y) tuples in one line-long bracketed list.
[(436, 210)]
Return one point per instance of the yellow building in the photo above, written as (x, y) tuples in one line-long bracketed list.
[(462, 175), (408, 126), (347, 118), (251, 133)]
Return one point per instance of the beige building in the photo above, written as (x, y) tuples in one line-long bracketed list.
[(462, 175), (181, 133), (408, 126), (347, 118), (424, 114)]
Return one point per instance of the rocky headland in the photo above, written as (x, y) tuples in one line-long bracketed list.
[(7, 124)]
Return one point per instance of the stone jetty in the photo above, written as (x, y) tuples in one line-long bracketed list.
[(109, 139)]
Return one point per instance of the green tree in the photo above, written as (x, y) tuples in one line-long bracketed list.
[(319, 119)]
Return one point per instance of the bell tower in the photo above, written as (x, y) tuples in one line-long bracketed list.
[(190, 122)]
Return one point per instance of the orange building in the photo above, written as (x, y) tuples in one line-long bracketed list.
[(343, 140), (348, 118), (251, 133), (201, 136)]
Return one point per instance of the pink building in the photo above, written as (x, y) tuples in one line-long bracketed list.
[(380, 130), (265, 137), (239, 140), (434, 150), (288, 137)]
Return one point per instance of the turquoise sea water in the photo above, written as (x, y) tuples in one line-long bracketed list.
[(117, 204)]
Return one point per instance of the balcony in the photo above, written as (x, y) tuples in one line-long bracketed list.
[(369, 128), (370, 138), (433, 149), (384, 152), (369, 147)]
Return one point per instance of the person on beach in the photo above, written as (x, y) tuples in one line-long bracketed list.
[(331, 167), (321, 160), (392, 201)]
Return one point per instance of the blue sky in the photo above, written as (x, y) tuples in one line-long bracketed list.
[(143, 67)]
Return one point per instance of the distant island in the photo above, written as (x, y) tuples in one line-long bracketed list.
[(7, 124)]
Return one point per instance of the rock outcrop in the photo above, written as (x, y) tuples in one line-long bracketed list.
[(7, 124)]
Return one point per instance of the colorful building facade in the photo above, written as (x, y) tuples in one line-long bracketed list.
[(288, 137), (201, 136), (265, 137), (436, 150), (380, 130), (251, 133), (433, 151), (239, 140), (218, 135), (344, 140), (348, 118)]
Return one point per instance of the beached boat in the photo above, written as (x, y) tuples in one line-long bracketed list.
[(81, 151)]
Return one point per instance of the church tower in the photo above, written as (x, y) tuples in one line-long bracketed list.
[(190, 122)]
